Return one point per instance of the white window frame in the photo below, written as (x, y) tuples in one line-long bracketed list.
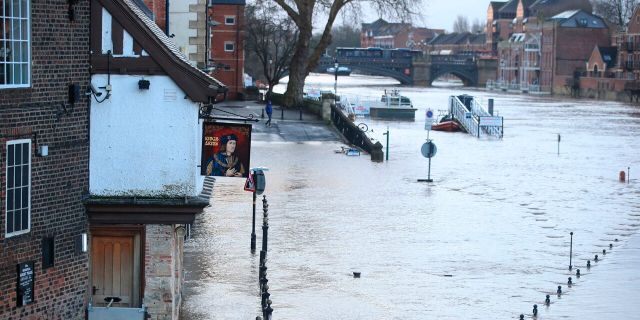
[(226, 20), (27, 143), (229, 43), (15, 50)]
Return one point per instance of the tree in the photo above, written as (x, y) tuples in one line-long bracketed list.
[(302, 12), (342, 36), (461, 24), (270, 41), (477, 26), (616, 12)]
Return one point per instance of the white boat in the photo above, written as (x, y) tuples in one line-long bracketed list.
[(393, 105)]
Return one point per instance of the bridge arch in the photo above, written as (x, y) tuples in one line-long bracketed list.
[(468, 78)]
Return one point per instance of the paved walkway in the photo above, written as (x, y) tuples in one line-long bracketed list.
[(286, 124)]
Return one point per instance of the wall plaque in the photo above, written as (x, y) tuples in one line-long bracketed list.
[(26, 278)]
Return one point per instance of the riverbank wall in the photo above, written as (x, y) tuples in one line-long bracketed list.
[(326, 108)]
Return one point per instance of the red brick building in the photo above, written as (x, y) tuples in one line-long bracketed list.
[(383, 34), (568, 39), (44, 159), (227, 44)]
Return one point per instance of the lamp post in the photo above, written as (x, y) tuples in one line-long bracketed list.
[(335, 71)]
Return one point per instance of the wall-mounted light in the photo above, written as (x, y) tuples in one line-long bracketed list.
[(143, 84), (43, 150), (81, 243)]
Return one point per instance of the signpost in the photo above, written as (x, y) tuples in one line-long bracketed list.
[(428, 150), (428, 121)]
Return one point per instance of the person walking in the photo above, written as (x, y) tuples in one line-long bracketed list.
[(269, 109)]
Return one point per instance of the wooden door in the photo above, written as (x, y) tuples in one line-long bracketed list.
[(113, 270)]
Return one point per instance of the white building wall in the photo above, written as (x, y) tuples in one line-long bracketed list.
[(144, 142), (180, 15)]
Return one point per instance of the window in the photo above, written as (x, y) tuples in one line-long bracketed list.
[(229, 20), (15, 43), (229, 46), (18, 203)]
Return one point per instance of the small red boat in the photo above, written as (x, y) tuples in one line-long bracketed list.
[(448, 126)]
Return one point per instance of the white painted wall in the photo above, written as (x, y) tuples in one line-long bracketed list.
[(179, 25), (144, 142)]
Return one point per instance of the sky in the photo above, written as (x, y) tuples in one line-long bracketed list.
[(440, 14)]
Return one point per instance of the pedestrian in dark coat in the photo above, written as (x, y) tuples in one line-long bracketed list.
[(269, 109)]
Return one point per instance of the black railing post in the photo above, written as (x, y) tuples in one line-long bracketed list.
[(282, 113), (265, 224)]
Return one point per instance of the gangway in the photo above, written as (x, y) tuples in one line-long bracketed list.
[(474, 118)]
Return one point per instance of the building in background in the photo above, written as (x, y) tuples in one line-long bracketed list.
[(227, 44), (386, 35), (44, 159)]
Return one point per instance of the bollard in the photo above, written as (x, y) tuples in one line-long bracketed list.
[(570, 251), (547, 300), (300, 113), (521, 316), (616, 240), (610, 246), (588, 264), (622, 177), (265, 225), (596, 258), (268, 311), (282, 113), (604, 252), (559, 291), (569, 283), (535, 310), (262, 115), (577, 273), (356, 274)]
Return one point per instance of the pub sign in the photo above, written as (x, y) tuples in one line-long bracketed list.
[(226, 149)]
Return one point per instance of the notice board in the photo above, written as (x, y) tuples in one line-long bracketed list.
[(26, 278)]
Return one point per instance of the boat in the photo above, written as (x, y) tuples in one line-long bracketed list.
[(448, 126), (393, 105), (342, 71)]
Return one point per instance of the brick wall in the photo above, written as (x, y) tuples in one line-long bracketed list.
[(231, 76), (163, 272), (60, 57)]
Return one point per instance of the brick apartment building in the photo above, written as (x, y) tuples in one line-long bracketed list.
[(227, 44), (542, 45), (44, 158), (383, 34)]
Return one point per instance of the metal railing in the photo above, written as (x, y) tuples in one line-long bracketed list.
[(469, 117)]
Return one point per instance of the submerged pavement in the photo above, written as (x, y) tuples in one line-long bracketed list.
[(287, 125)]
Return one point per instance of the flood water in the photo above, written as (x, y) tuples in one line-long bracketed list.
[(486, 240)]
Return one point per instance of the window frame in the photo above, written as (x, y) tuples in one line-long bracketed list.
[(226, 19), (229, 43), (24, 59), (28, 143)]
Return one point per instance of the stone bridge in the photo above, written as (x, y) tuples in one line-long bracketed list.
[(420, 70)]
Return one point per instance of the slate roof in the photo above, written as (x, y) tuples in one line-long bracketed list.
[(459, 38), (549, 8), (574, 19), (167, 42), (609, 55), (236, 2)]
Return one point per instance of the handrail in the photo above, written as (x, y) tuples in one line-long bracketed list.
[(470, 119), (354, 135)]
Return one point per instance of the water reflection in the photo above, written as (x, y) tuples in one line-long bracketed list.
[(488, 239)]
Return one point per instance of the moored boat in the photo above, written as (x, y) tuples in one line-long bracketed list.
[(392, 105), (448, 126)]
